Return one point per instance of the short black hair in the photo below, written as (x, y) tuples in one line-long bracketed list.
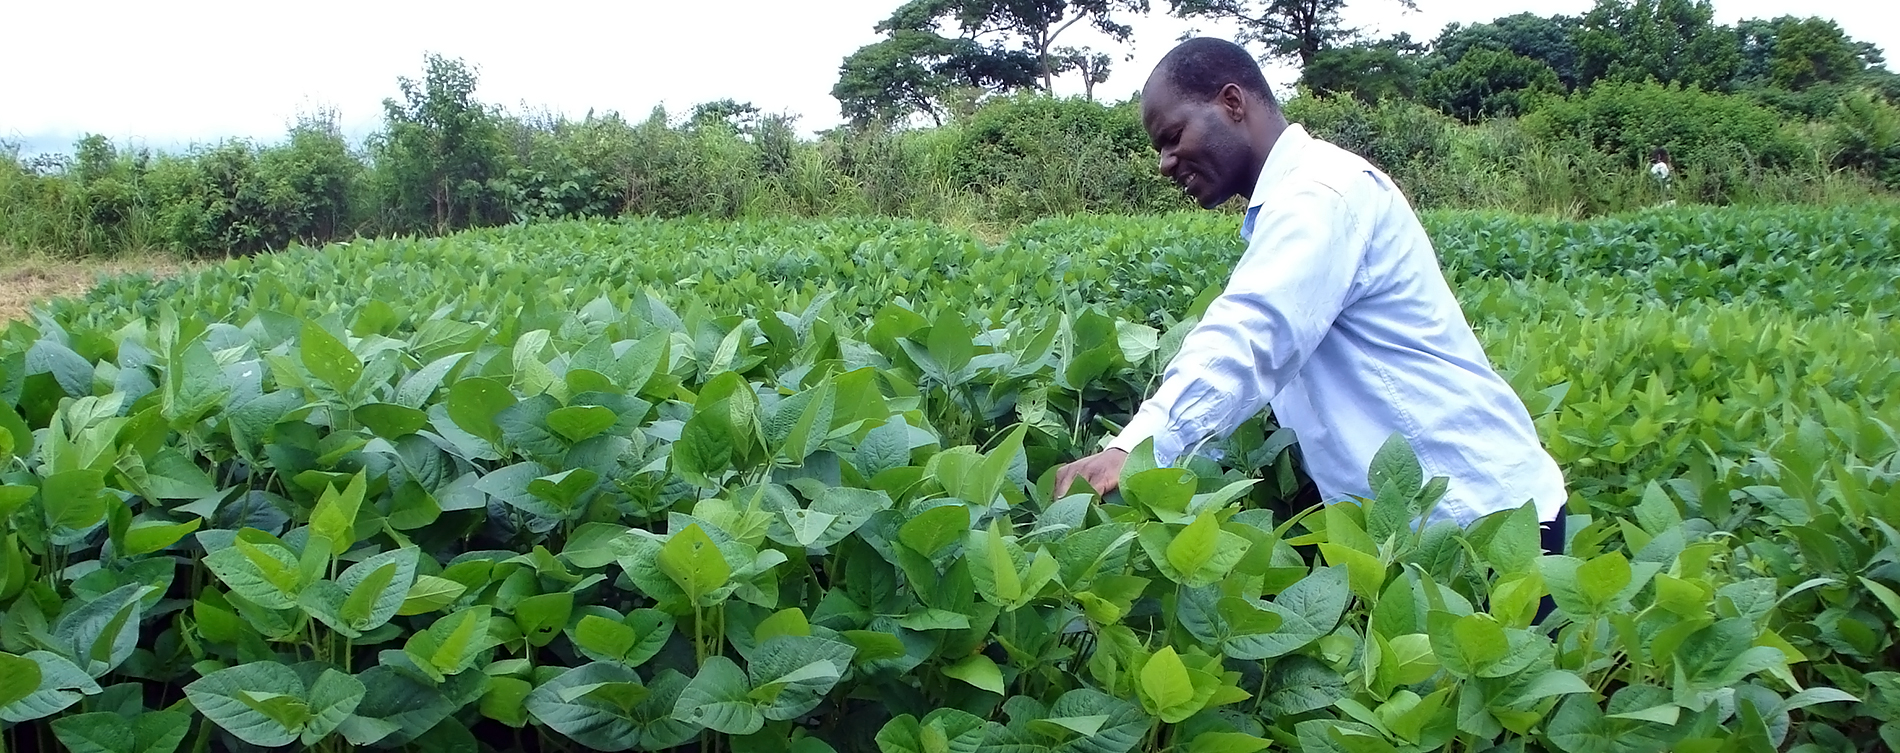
[(1200, 66)]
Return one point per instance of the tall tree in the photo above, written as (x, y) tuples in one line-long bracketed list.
[(1796, 53), (438, 149), (1032, 26), (933, 48), (1290, 29), (1490, 83), (913, 71), (1671, 41), (1550, 40), (1373, 71), (1094, 67)]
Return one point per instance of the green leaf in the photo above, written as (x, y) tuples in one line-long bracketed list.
[(1166, 689), (362, 730), (1600, 579), (430, 593), (581, 422), (1365, 572), (935, 619), (103, 633), (334, 518), (1308, 609), (331, 699), (108, 732), (395, 698), (1812, 696), (786, 622), (691, 560), (1062, 727), (74, 500), (986, 482), (328, 359), (978, 670), (377, 587), (265, 574), (391, 421), (19, 678), (565, 491), (810, 425), (1226, 742), (941, 731), (792, 674), (146, 537), (602, 637), (1163, 492), (1553, 683), (934, 529), (195, 383), (1299, 684), (1656, 513), (61, 684), (591, 546), (717, 699), (452, 643), (996, 565), (1396, 464), (950, 343), (1515, 546), (542, 617), (836, 513), (589, 704), (505, 701), (1466, 645), (236, 698), (524, 428), (1195, 544), (1884, 594), (16, 429), (709, 443), (884, 448), (474, 403)]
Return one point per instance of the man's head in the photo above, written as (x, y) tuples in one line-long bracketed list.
[(1210, 113)]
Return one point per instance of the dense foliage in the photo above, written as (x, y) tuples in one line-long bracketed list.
[(776, 485), (1525, 113)]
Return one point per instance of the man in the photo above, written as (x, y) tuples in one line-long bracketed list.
[(1337, 315)]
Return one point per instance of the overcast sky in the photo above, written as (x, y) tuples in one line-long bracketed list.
[(166, 73)]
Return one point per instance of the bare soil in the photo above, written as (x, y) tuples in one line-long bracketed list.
[(28, 280)]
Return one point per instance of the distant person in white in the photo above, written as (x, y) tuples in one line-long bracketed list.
[(1338, 314), (1659, 166)]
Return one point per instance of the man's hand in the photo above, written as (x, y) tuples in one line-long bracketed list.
[(1103, 470)]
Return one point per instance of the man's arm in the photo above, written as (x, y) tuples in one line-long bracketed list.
[(1292, 282)]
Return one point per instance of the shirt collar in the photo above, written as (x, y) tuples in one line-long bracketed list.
[(1285, 153)]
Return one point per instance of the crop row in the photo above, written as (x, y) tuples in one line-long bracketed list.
[(762, 485)]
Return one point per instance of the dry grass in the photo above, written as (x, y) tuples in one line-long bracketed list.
[(31, 279)]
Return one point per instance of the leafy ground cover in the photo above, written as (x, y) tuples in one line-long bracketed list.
[(786, 485)]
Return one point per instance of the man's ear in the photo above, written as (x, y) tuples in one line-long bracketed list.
[(1232, 102)]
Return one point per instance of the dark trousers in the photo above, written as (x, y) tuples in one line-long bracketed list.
[(1552, 534)]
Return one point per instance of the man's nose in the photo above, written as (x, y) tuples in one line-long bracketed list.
[(1167, 162)]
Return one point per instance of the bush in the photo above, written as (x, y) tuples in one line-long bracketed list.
[(1865, 135), (1490, 83), (1406, 139), (1702, 130), (1037, 156)]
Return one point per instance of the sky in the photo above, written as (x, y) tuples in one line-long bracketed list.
[(169, 73)]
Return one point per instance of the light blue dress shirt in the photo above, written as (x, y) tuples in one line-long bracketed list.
[(1339, 317)]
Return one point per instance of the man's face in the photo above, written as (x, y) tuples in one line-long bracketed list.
[(1204, 148)]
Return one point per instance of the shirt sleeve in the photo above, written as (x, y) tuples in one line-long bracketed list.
[(1294, 279)]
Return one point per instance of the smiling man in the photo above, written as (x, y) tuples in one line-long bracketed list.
[(1337, 314)]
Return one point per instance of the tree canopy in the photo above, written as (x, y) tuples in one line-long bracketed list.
[(933, 48)]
